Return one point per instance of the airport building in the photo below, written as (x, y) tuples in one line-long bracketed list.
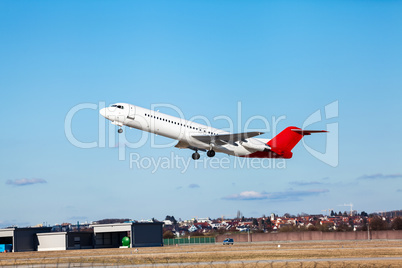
[(147, 234), (141, 234), (64, 240), (21, 239)]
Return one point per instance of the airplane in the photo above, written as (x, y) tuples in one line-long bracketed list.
[(198, 137)]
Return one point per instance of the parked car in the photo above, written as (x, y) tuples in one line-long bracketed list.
[(228, 241)]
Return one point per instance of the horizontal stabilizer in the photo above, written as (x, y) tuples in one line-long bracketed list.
[(307, 132)]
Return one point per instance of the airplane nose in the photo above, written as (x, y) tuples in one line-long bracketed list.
[(103, 112)]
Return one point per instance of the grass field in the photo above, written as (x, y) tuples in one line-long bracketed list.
[(289, 254)]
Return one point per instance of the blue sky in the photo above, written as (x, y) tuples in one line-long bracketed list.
[(278, 58)]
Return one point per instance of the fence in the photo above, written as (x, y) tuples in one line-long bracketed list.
[(313, 236), (189, 240)]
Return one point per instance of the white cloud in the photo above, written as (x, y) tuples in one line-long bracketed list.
[(305, 183), (282, 196), (248, 195), (23, 182), (381, 176)]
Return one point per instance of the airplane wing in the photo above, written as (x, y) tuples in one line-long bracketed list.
[(225, 138)]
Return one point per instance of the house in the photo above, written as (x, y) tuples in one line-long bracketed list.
[(193, 228), (208, 220), (167, 222)]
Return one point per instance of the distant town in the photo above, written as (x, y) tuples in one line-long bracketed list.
[(330, 221)]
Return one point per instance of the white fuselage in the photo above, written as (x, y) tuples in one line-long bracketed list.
[(180, 129)]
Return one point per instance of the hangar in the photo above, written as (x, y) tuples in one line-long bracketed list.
[(22, 239), (141, 234), (65, 240)]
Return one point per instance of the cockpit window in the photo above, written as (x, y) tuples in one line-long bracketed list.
[(118, 106)]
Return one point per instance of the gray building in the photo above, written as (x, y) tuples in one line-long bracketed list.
[(147, 234), (22, 239)]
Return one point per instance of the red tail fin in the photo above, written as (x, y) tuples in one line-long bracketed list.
[(283, 143)]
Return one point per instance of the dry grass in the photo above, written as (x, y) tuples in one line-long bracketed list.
[(238, 255)]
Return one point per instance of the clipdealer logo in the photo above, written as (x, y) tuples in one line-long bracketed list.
[(331, 154), (174, 161), (108, 137)]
